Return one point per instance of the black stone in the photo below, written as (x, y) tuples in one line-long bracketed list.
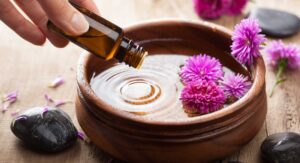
[(281, 148), (276, 23), (49, 131)]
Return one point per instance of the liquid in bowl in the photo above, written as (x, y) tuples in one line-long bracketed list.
[(152, 92)]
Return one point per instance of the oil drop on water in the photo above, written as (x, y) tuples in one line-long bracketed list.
[(152, 92)]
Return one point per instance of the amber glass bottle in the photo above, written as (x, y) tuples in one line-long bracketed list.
[(105, 39)]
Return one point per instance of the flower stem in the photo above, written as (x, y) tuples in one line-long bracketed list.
[(279, 80)]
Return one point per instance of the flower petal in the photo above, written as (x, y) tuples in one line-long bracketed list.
[(81, 135), (15, 113), (59, 103), (57, 82)]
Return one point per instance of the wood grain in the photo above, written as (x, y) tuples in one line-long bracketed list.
[(29, 69)]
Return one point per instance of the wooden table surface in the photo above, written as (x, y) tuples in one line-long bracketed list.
[(29, 69)]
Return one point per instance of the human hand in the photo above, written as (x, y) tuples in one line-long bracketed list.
[(60, 12)]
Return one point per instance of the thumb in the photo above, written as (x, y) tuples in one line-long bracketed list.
[(65, 16)]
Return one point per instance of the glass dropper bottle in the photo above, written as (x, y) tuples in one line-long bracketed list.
[(104, 39)]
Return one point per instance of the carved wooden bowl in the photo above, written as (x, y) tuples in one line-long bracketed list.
[(199, 139)]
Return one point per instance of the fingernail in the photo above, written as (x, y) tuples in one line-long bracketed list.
[(79, 23)]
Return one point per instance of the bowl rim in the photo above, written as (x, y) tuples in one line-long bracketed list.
[(258, 72)]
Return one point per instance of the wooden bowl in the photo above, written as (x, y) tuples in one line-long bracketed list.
[(198, 139)]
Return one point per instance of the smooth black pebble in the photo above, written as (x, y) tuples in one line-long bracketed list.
[(281, 148), (49, 131), (276, 23)]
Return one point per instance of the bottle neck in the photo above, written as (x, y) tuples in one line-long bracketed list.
[(130, 53)]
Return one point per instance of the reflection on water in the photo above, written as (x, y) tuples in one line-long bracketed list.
[(151, 92)]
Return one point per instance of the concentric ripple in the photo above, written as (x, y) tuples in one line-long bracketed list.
[(153, 91)]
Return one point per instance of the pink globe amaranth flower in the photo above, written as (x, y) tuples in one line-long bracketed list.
[(278, 51), (274, 51), (291, 53), (211, 9), (247, 42), (236, 7), (201, 67), (235, 86), (202, 97), (282, 56)]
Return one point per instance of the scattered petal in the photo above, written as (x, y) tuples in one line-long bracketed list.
[(57, 82), (48, 98), (55, 103), (45, 110), (5, 106), (59, 103), (81, 135), (15, 113), (11, 97)]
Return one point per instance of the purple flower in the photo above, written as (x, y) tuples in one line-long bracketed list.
[(282, 56), (236, 7), (201, 67), (211, 9), (247, 42), (278, 51), (202, 97), (292, 54), (235, 86), (274, 51)]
